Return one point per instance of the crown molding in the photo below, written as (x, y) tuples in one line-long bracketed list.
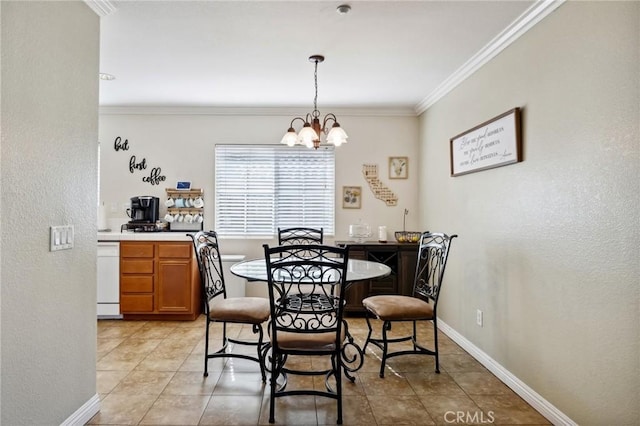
[(101, 7), (529, 18), (239, 111)]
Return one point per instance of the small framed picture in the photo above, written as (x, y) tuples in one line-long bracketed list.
[(398, 167), (351, 197)]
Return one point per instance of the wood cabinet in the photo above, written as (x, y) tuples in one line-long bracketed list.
[(400, 257), (159, 280)]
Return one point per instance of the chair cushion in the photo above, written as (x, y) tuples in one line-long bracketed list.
[(308, 341), (252, 310), (398, 308)]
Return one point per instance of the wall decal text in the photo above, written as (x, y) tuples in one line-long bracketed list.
[(118, 145), (133, 165), (155, 177)]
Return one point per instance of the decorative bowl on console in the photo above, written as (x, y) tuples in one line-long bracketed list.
[(407, 236), (359, 232)]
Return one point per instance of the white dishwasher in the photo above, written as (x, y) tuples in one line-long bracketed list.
[(108, 294)]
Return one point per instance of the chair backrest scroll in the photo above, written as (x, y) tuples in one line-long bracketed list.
[(433, 253), (305, 285), (300, 235), (210, 266)]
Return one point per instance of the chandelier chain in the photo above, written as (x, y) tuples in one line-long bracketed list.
[(316, 113), (313, 127)]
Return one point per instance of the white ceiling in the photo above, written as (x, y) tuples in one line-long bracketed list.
[(383, 54)]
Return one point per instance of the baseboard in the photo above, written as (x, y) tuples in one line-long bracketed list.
[(544, 407), (84, 413)]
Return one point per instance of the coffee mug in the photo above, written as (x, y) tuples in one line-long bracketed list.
[(169, 202), (188, 218), (180, 202), (168, 217), (188, 202), (199, 218), (180, 217), (198, 202)]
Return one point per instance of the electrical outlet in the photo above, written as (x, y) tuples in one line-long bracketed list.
[(479, 317)]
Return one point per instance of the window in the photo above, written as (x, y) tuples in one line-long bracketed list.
[(260, 188)]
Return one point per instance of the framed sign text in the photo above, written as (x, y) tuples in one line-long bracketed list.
[(494, 143)]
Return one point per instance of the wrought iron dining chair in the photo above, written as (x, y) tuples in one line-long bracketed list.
[(421, 306), (202, 236), (218, 308), (306, 316), (300, 235)]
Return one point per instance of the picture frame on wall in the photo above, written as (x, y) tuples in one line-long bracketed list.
[(351, 197), (398, 167), (496, 142)]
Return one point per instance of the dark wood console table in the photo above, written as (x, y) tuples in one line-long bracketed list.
[(400, 257)]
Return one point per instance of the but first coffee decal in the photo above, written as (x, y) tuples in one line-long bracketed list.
[(154, 176)]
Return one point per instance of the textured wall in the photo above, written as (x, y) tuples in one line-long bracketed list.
[(183, 146), (48, 163), (548, 248)]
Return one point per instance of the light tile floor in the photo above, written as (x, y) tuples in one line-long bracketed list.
[(150, 373)]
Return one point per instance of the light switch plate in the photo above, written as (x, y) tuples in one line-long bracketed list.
[(61, 237)]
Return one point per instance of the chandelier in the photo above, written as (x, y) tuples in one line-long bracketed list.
[(312, 130)]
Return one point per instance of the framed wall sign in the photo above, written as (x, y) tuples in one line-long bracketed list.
[(398, 167), (494, 143)]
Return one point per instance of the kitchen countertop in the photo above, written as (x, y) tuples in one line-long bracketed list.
[(143, 236)]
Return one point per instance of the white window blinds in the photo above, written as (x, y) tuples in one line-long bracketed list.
[(262, 187)]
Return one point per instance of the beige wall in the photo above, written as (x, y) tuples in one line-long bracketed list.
[(183, 146), (548, 248), (48, 163)]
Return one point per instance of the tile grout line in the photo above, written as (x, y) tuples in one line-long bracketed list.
[(196, 351)]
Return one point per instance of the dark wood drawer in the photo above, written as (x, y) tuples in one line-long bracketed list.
[(136, 303), (382, 286), (136, 284), (176, 250), (357, 254), (133, 266), (136, 250), (400, 257)]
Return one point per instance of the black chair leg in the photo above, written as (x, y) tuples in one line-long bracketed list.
[(272, 398), (366, 342), (435, 344), (224, 336), (260, 353), (338, 371), (385, 346), (206, 350)]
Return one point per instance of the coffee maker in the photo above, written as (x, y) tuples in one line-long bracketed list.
[(144, 213)]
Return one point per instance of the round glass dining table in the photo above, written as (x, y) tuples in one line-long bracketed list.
[(357, 270), (352, 357)]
